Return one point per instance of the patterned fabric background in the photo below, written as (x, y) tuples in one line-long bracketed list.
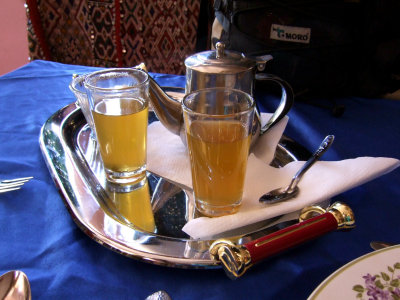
[(161, 33)]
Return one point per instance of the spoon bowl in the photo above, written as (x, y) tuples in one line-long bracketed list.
[(280, 194), (377, 245), (292, 190), (14, 285)]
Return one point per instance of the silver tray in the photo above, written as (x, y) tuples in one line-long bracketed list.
[(73, 161)]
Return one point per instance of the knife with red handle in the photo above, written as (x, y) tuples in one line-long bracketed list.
[(314, 222)]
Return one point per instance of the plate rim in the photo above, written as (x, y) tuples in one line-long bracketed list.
[(345, 267)]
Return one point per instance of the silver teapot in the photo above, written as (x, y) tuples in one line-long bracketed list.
[(219, 68)]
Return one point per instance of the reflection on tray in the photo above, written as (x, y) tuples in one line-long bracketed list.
[(133, 203), (159, 206)]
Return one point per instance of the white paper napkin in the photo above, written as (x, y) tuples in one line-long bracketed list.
[(168, 157)]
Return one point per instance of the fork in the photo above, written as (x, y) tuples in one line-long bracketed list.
[(9, 185)]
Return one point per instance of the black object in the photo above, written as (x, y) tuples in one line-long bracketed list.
[(321, 47)]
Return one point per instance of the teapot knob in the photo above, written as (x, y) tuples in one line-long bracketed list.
[(220, 47)]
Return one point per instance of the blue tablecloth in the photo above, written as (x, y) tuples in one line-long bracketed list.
[(39, 237)]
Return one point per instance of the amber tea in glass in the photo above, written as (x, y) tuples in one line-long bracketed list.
[(119, 104), (218, 124)]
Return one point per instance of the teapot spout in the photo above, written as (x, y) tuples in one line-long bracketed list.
[(167, 109)]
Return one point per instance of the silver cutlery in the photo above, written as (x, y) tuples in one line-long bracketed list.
[(9, 185), (376, 245), (14, 285), (291, 191)]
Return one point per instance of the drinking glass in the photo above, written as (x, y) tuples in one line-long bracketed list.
[(218, 124), (119, 100), (77, 87)]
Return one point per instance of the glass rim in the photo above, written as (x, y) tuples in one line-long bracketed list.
[(74, 81), (193, 112), (111, 70)]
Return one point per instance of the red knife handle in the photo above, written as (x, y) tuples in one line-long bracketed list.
[(291, 236), (237, 258)]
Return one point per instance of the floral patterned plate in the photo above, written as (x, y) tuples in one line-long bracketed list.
[(375, 275)]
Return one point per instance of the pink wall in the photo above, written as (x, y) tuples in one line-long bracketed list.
[(13, 38)]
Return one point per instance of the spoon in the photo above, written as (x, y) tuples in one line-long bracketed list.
[(376, 245), (15, 285), (291, 191)]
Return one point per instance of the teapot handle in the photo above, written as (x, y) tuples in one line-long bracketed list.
[(286, 103)]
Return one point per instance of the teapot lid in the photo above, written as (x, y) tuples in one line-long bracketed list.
[(219, 61)]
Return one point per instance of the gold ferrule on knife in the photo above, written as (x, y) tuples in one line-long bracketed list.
[(235, 259), (342, 212)]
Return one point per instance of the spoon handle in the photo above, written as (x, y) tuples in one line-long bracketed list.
[(326, 143)]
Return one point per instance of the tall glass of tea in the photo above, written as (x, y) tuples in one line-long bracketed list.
[(218, 124), (119, 100)]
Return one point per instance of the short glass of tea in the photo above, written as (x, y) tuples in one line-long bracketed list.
[(119, 100)]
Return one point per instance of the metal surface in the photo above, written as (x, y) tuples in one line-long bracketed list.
[(377, 245), (230, 70), (73, 161), (291, 191), (343, 214), (160, 295), (14, 285), (9, 185)]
